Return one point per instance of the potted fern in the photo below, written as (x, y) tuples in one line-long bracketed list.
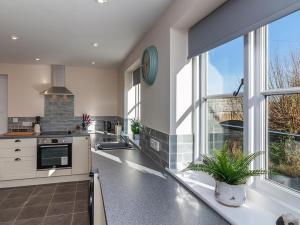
[(231, 172)]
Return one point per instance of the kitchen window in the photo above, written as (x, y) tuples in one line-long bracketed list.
[(132, 97), (133, 100), (250, 99), (282, 98), (223, 110)]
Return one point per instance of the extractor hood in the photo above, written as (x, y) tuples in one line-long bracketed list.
[(57, 82)]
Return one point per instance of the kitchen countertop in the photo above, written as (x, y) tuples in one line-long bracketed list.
[(137, 191), (74, 134), (2, 136)]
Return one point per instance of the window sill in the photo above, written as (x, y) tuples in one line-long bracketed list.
[(203, 187)]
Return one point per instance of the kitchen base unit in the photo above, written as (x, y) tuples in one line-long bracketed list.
[(44, 159)]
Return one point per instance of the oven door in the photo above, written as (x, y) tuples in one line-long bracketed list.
[(54, 156)]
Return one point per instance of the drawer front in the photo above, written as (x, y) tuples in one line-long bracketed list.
[(17, 168), (17, 143), (17, 152)]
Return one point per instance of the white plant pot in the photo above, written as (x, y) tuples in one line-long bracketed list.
[(230, 195), (136, 137)]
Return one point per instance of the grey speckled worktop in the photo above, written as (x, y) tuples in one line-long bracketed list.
[(2, 136), (137, 192), (74, 134)]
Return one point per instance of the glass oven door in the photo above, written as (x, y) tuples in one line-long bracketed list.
[(54, 156)]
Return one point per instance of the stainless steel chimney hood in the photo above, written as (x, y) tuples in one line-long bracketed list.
[(57, 81)]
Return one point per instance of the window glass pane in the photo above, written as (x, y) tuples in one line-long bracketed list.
[(284, 52), (225, 124), (225, 67), (284, 139)]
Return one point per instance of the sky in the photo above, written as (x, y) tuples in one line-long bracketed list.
[(225, 63)]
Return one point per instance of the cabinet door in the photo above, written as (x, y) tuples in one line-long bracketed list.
[(80, 155), (17, 168)]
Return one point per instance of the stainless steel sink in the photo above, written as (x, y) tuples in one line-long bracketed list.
[(112, 143)]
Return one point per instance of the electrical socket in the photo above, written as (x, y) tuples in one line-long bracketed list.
[(154, 144)]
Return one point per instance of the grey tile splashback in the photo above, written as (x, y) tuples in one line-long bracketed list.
[(161, 157), (176, 151), (19, 125), (49, 125), (59, 113), (98, 121), (181, 150)]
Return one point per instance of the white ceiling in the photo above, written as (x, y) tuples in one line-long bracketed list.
[(62, 31)]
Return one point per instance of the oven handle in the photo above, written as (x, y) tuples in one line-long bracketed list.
[(52, 146)]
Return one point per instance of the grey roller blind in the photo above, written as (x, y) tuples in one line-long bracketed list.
[(136, 77), (235, 18)]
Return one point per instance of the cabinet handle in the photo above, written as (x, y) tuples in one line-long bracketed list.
[(16, 141), (17, 159), (17, 150)]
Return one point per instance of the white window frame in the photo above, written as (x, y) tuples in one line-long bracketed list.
[(271, 188), (203, 96), (255, 118), (137, 90)]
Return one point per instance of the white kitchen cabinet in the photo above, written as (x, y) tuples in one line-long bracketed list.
[(17, 152), (17, 143), (99, 212), (81, 155), (17, 168), (18, 158)]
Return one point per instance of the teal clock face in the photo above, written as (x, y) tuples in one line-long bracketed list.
[(150, 64)]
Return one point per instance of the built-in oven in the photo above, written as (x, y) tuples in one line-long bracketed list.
[(54, 153)]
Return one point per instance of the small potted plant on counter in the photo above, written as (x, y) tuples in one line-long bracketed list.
[(231, 172), (135, 128), (86, 121)]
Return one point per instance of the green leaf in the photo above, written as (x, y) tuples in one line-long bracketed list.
[(225, 167)]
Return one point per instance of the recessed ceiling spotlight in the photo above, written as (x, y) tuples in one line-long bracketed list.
[(37, 59), (14, 37), (95, 44), (93, 63), (102, 1)]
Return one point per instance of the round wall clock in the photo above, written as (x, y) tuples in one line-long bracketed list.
[(149, 64)]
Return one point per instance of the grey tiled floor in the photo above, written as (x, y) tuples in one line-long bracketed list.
[(50, 204)]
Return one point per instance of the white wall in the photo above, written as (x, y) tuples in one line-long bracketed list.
[(96, 90), (3, 103), (155, 103), (25, 82), (159, 100)]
